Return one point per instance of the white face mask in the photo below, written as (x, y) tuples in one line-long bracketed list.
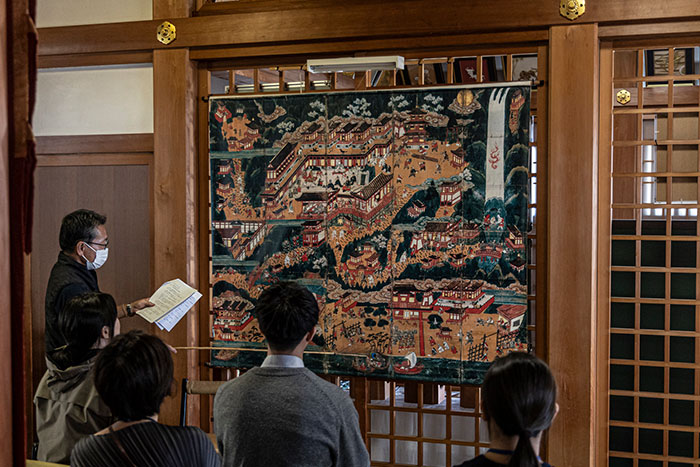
[(100, 258)]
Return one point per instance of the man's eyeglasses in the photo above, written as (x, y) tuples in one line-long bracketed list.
[(104, 245)]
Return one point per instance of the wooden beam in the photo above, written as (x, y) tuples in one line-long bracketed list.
[(82, 160), (672, 29), (573, 205), (174, 202), (95, 144), (513, 42), (328, 20), (97, 59)]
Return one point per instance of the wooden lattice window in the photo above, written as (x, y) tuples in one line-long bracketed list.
[(654, 388)]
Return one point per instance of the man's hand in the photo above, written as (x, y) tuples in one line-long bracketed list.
[(141, 304)]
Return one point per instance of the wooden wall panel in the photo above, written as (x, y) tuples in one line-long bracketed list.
[(122, 194), (572, 234), (174, 208)]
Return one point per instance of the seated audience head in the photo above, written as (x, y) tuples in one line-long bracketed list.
[(87, 322), (519, 399), (82, 235), (287, 313), (133, 375)]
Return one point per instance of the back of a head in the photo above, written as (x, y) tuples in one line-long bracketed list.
[(81, 322), (133, 374), (286, 312), (79, 226), (519, 395)]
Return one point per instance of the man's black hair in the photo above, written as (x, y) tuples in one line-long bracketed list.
[(133, 374), (286, 312), (79, 226), (81, 322)]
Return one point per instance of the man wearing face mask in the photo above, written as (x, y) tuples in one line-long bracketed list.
[(84, 249)]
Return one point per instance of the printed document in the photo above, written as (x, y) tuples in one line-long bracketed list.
[(172, 301)]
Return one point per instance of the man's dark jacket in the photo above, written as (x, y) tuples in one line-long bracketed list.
[(68, 278)]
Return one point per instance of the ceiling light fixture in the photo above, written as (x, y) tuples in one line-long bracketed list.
[(348, 64)]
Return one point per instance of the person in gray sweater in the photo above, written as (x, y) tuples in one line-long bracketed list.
[(281, 413)]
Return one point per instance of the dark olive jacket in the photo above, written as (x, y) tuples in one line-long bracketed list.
[(68, 409)]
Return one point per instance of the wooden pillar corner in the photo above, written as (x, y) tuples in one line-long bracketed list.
[(175, 203), (572, 239)]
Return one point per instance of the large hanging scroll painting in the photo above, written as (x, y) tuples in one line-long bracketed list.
[(403, 211)]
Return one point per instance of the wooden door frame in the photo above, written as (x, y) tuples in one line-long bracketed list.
[(612, 37)]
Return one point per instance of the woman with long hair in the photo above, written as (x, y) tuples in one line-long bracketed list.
[(68, 407), (518, 399), (133, 375)]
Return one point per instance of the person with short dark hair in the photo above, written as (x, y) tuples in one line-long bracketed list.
[(133, 375), (84, 249), (281, 413), (68, 407), (519, 402)]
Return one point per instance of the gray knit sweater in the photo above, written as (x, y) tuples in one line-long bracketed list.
[(286, 417)]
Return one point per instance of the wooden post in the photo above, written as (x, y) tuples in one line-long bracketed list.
[(604, 232), (358, 392), (174, 203), (468, 397), (542, 220), (6, 350), (433, 393), (378, 390), (573, 239), (204, 225), (168, 9)]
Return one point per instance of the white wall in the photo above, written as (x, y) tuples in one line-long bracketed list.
[(50, 13), (94, 100)]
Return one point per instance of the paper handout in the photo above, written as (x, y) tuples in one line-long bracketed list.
[(172, 301)]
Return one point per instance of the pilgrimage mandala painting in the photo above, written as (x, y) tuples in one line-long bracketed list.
[(403, 211)]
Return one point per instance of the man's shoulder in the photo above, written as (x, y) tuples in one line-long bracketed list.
[(328, 394), (305, 380), (333, 390), (67, 277), (236, 385)]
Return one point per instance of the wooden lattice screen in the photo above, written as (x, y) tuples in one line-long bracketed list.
[(654, 388), (418, 423)]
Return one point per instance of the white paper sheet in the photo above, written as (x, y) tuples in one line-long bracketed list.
[(172, 301), (169, 321)]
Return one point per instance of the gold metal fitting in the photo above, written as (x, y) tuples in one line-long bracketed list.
[(166, 33), (623, 96), (572, 9)]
